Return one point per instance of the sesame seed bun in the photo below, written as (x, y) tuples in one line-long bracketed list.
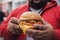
[(30, 16)]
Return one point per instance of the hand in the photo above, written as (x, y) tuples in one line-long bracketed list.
[(41, 32), (13, 26)]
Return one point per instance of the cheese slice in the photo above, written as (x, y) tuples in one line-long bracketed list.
[(25, 27)]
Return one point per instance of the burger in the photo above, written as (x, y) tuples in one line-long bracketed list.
[(28, 19)]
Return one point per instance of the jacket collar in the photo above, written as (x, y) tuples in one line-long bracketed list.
[(48, 6)]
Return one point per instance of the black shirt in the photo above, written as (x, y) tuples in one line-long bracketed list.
[(1, 15)]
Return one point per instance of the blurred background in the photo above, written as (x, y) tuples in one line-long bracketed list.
[(8, 5)]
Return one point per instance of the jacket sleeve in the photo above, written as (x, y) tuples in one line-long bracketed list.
[(3, 28), (56, 35)]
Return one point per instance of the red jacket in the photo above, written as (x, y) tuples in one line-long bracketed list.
[(51, 13)]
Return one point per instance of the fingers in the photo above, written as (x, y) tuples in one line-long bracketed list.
[(13, 26), (36, 33), (14, 20), (47, 27), (40, 27), (13, 23)]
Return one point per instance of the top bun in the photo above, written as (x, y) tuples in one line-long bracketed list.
[(30, 16)]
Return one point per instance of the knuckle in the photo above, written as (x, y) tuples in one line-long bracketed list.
[(14, 20)]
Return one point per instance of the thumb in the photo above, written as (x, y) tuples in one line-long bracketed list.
[(43, 21)]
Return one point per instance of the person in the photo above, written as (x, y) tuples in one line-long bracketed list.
[(2, 15), (50, 13)]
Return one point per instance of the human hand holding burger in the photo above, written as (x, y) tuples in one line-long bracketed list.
[(41, 31), (13, 26)]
